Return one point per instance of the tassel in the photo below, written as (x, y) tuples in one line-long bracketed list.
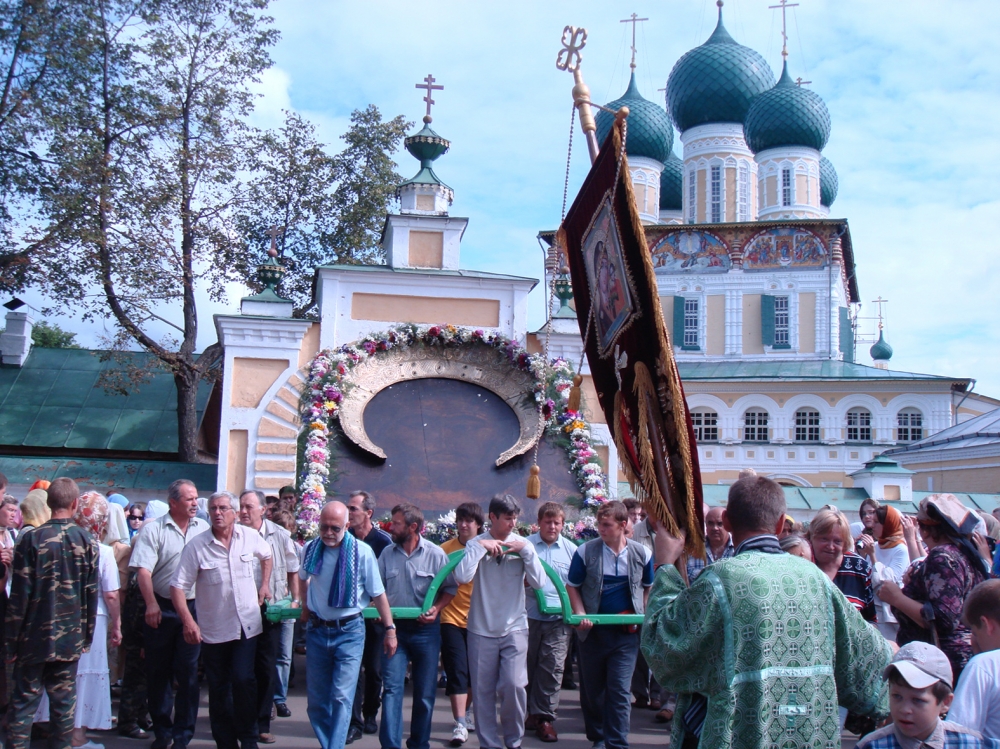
[(574, 395), (534, 484)]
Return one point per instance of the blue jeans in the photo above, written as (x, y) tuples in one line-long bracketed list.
[(283, 663), (332, 676), (420, 644), (607, 661)]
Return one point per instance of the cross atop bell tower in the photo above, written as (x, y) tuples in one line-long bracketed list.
[(430, 88)]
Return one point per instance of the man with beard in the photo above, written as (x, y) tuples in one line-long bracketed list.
[(407, 568)]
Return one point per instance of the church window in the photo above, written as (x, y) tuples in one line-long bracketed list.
[(909, 425), (859, 425), (786, 186), (807, 425), (706, 425), (781, 324), (755, 425), (716, 194), (690, 323), (744, 192), (692, 196)]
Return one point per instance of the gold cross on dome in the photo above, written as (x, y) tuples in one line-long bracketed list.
[(800, 82), (430, 88), (274, 232), (784, 5), (879, 302), (634, 20)]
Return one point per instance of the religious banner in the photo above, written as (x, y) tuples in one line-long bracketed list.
[(627, 345)]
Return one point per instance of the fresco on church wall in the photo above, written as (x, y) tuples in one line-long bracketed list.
[(691, 252), (784, 247)]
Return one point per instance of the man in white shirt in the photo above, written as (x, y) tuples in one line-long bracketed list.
[(284, 582), (229, 601), (498, 623), (548, 636), (977, 696)]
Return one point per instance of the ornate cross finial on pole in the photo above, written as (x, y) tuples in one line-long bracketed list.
[(800, 82), (274, 232), (880, 301), (784, 4), (634, 20), (574, 39), (430, 88)]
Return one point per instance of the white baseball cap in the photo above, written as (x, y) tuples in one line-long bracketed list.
[(920, 665)]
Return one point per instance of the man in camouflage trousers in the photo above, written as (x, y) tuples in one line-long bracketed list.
[(50, 617), (133, 710)]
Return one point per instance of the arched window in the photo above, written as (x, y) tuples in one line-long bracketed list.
[(807, 425), (743, 208), (859, 425), (755, 425), (787, 195), (716, 192), (692, 196), (909, 425), (706, 425)]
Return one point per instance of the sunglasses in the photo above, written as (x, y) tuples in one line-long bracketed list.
[(136, 517), (330, 528)]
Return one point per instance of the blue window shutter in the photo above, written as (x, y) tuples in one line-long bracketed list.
[(678, 321), (846, 335), (767, 319)]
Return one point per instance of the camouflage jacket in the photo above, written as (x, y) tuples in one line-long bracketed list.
[(53, 599)]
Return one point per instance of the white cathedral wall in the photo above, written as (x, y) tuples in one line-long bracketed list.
[(718, 145)]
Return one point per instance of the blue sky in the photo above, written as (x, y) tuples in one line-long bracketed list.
[(912, 90)]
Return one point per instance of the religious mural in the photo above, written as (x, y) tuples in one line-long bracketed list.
[(784, 247), (606, 272), (691, 252)]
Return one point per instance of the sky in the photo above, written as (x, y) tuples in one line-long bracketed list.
[(913, 90)]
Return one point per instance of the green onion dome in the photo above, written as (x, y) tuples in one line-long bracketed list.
[(787, 115), (650, 132), (672, 184), (716, 82), (828, 182), (880, 350)]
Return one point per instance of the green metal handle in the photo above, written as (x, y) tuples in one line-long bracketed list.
[(566, 609), (412, 612), (278, 611)]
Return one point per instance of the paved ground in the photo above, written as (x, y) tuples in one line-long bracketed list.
[(296, 733)]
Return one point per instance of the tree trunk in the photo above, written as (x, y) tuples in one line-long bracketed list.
[(187, 415)]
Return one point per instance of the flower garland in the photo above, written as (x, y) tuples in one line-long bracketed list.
[(329, 380)]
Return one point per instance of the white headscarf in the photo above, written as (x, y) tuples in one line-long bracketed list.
[(117, 525)]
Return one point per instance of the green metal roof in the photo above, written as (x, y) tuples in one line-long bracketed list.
[(118, 474), (716, 82), (796, 370), (432, 271), (650, 132), (426, 146), (829, 183), (883, 464), (54, 401), (787, 115)]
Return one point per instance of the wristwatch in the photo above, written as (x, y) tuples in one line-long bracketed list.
[(390, 626)]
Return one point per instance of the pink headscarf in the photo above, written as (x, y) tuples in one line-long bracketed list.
[(92, 513)]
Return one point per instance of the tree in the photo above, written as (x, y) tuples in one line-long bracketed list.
[(331, 207), (52, 336), (147, 161)]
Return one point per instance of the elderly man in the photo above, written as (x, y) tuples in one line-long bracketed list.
[(719, 546), (368, 697), (169, 656), (221, 564), (342, 578), (407, 567), (284, 581), (762, 646), (498, 623), (50, 617)]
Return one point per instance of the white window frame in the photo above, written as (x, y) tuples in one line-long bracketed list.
[(706, 424), (861, 428), (692, 196), (743, 186), (909, 425), (807, 426), (755, 425), (783, 322), (692, 322), (715, 191), (787, 186)]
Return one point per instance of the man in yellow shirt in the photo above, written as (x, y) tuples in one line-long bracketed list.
[(454, 618)]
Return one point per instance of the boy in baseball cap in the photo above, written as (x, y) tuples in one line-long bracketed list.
[(919, 694)]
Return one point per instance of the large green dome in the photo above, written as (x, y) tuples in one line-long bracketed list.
[(828, 182), (672, 184), (716, 82), (787, 115), (650, 132)]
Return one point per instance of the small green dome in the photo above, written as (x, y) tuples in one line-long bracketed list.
[(828, 182), (426, 146), (787, 115), (672, 184), (880, 350), (650, 132), (716, 82)]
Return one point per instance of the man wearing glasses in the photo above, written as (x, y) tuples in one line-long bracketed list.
[(342, 578), (221, 564)]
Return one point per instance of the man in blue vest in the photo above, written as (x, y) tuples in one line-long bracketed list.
[(609, 575)]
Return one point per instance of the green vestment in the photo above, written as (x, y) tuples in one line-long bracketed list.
[(772, 644)]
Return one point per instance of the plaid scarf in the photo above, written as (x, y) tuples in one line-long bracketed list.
[(343, 587)]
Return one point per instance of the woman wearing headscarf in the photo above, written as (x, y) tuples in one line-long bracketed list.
[(35, 509), (93, 687), (890, 559), (929, 606)]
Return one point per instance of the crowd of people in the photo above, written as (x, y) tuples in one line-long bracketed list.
[(784, 634)]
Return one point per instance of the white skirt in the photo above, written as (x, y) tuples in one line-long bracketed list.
[(93, 685)]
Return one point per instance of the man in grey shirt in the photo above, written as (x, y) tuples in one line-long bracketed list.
[(498, 624)]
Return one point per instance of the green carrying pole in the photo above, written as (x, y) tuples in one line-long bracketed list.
[(281, 610)]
